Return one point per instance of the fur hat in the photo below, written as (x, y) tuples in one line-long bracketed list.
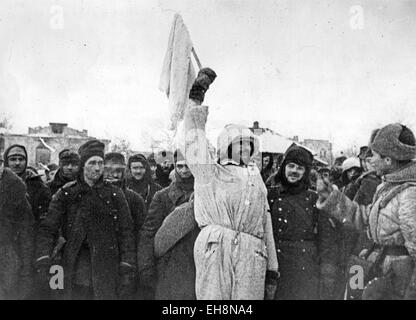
[(90, 149), (300, 156), (68, 155), (386, 143), (138, 158), (115, 157)]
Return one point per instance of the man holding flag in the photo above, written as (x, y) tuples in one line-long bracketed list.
[(234, 253)]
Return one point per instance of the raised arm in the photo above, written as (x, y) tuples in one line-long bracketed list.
[(337, 205), (193, 141)]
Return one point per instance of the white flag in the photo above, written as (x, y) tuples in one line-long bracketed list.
[(178, 73)]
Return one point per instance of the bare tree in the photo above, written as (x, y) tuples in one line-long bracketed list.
[(5, 125), (123, 146), (159, 138)]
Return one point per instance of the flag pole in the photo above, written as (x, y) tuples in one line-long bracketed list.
[(196, 59)]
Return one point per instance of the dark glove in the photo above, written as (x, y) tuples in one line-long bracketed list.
[(270, 291), (270, 285), (205, 78)]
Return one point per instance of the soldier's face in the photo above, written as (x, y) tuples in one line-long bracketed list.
[(114, 172), (183, 170), (266, 161), (294, 172), (241, 151), (382, 165), (368, 165), (325, 175), (352, 173), (17, 164), (70, 169), (93, 169), (165, 164), (338, 166), (137, 170)]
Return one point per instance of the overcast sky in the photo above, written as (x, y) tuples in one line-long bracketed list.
[(317, 69)]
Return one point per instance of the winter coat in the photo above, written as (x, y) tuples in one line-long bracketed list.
[(367, 186), (16, 238), (162, 176), (137, 208), (235, 247), (305, 243), (163, 203), (174, 249), (146, 189), (57, 182), (95, 219), (350, 190), (391, 220), (336, 178), (350, 240), (39, 193)]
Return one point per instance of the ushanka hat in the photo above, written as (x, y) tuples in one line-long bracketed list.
[(298, 155), (68, 155), (90, 149), (115, 157), (387, 143)]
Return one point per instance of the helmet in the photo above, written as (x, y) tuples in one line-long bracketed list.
[(352, 162)]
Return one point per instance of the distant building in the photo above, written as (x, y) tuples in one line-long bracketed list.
[(43, 144), (323, 148), (274, 143)]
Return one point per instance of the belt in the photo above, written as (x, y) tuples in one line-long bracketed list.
[(237, 232), (297, 240)]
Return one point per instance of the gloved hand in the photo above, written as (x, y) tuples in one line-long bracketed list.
[(270, 291), (271, 285), (205, 77), (324, 188)]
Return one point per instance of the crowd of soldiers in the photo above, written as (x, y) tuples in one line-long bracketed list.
[(214, 227)]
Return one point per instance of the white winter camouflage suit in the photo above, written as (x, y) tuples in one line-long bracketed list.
[(235, 246), (391, 219)]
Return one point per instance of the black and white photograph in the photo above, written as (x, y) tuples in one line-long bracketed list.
[(214, 150)]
